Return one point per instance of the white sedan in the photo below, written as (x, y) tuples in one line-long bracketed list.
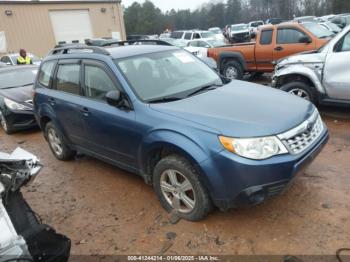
[(200, 47)]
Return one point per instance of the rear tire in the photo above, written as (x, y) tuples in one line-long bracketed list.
[(233, 70), (302, 90), (57, 144), (5, 125), (177, 185)]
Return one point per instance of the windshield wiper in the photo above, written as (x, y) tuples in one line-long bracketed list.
[(203, 88), (163, 100), (17, 86)]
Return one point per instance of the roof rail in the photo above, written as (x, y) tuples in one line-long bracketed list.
[(65, 48), (106, 43)]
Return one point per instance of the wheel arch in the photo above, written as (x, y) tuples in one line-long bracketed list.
[(299, 73), (224, 57)]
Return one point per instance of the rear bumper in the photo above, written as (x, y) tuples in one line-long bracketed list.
[(234, 181)]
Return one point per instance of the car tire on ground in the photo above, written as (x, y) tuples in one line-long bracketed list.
[(178, 188), (233, 70), (302, 90), (57, 144), (5, 125)]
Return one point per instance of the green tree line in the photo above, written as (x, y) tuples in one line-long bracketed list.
[(146, 18)]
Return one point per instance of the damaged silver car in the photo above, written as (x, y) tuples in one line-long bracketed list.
[(22, 236), (322, 76)]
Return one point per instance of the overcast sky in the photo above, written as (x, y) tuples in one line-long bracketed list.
[(165, 5)]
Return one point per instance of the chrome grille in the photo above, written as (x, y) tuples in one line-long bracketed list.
[(301, 137)]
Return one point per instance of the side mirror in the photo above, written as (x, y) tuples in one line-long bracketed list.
[(253, 34), (305, 40), (114, 98)]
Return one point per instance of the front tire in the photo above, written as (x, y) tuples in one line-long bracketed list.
[(176, 183), (233, 70), (302, 90), (5, 125), (57, 144)]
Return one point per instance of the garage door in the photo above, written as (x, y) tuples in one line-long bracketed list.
[(71, 25)]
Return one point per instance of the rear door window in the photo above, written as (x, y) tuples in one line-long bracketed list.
[(188, 36), (266, 37), (67, 78), (289, 36), (46, 73)]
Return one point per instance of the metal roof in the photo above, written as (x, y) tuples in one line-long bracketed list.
[(43, 2)]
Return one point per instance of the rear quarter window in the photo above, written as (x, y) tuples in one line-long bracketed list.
[(46, 73)]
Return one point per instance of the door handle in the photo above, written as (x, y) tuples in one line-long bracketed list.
[(279, 48), (85, 111), (52, 101)]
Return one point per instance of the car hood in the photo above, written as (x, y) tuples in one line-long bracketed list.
[(18, 94), (241, 109)]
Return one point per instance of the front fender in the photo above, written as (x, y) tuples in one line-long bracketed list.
[(301, 70), (190, 148)]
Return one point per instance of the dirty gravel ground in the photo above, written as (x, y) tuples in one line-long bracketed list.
[(105, 210)]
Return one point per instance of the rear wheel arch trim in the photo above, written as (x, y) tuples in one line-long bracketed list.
[(236, 56)]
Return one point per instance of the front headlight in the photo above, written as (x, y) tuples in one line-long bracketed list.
[(254, 148), (15, 106)]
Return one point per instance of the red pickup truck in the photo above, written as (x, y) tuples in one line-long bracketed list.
[(273, 42)]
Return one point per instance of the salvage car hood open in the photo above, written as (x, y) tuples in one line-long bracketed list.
[(241, 109)]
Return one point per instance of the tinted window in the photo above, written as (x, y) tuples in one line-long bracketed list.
[(97, 83), (289, 36), (266, 37), (196, 36), (68, 78), (18, 77), (188, 36), (177, 35), (46, 72)]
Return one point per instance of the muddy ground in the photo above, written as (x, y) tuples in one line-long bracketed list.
[(105, 210)]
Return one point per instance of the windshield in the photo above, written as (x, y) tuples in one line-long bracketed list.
[(207, 34), (256, 24), (167, 74), (333, 27), (216, 30), (318, 30), (16, 78), (216, 43), (175, 42), (239, 27)]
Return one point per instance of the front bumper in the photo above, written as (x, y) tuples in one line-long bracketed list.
[(19, 120), (234, 181)]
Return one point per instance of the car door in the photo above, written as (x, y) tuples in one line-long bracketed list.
[(113, 131), (264, 51), (65, 101), (288, 42), (336, 76)]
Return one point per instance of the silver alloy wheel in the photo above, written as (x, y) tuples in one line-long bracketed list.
[(178, 191), (231, 72), (300, 92), (3, 122), (55, 142)]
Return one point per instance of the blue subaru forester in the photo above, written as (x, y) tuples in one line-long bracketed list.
[(160, 112)]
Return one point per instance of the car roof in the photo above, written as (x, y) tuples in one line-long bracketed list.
[(19, 68)]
